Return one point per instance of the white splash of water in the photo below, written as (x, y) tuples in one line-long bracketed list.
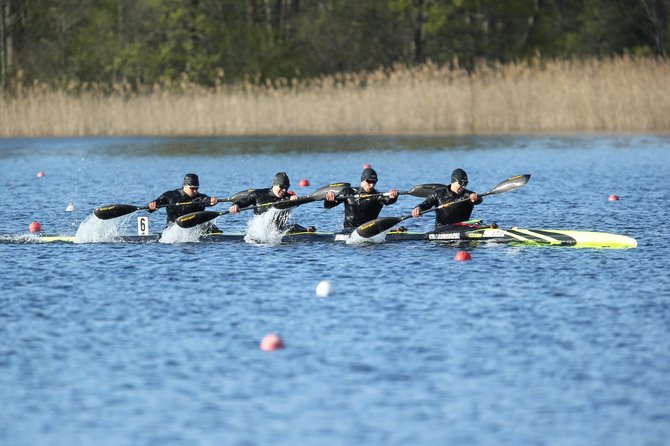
[(175, 234), (261, 229), (19, 238), (94, 230), (355, 239)]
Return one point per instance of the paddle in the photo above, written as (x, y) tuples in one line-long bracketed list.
[(380, 225), (110, 211), (420, 190), (196, 218)]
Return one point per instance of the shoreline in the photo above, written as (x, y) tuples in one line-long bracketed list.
[(437, 134)]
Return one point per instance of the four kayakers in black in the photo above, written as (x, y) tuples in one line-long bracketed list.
[(188, 193), (362, 204), (360, 207), (263, 198), (464, 201)]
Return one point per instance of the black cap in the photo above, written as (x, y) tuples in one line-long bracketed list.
[(459, 176), (191, 179), (369, 174), (281, 179)]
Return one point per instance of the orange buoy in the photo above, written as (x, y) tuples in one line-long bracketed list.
[(304, 182), (35, 226), (271, 342), (367, 166), (613, 197), (463, 256)]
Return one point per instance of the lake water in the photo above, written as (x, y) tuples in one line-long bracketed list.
[(158, 344)]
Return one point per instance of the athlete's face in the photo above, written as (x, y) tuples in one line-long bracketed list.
[(368, 185), (458, 187), (279, 191), (191, 191)]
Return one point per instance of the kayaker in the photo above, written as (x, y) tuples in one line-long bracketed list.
[(454, 193), (278, 192), (364, 208), (188, 193)]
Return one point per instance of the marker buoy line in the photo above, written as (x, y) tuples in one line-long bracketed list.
[(271, 342)]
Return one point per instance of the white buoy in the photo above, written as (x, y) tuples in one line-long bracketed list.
[(70, 207), (324, 289)]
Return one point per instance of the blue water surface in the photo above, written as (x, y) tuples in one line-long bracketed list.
[(158, 344)]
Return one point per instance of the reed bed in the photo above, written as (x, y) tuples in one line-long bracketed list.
[(616, 95)]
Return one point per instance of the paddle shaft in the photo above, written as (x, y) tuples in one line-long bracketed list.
[(380, 225), (385, 194), (442, 206), (196, 218), (508, 185), (119, 210), (420, 190)]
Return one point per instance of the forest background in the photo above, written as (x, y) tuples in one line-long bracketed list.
[(218, 67)]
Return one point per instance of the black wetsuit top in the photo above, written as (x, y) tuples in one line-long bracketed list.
[(179, 196), (359, 210), (263, 196), (452, 214)]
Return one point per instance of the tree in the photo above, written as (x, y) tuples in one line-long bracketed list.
[(71, 42)]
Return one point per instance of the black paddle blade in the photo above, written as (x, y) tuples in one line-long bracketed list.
[(238, 196), (320, 193), (115, 210), (510, 184), (374, 227), (424, 190), (196, 218)]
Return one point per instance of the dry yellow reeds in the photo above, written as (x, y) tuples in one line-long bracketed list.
[(620, 95)]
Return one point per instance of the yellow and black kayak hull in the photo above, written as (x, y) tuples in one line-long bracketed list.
[(517, 236)]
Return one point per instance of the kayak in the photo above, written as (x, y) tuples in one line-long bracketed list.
[(467, 232), (556, 237)]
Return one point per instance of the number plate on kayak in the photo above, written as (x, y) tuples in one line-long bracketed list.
[(142, 225)]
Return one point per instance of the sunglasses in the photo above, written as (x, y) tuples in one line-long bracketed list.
[(283, 187), (462, 182), (194, 187), (371, 181)]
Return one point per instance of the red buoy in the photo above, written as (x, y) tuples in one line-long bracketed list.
[(304, 182), (367, 166), (462, 256), (40, 174), (613, 197), (35, 226), (271, 342)]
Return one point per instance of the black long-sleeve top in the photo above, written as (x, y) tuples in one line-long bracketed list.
[(451, 214), (179, 196), (359, 210)]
